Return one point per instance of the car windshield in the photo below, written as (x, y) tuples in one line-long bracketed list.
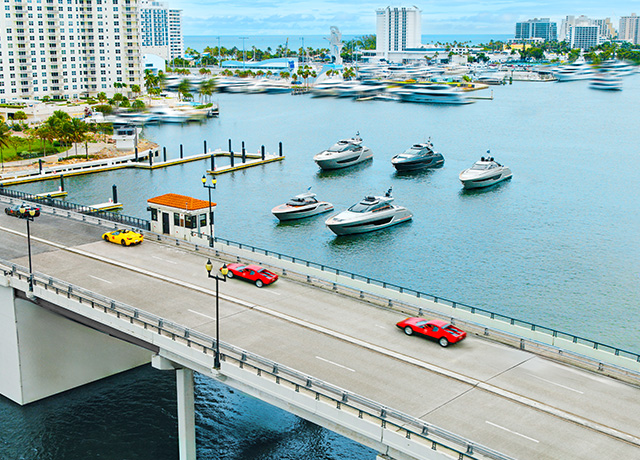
[(421, 323)]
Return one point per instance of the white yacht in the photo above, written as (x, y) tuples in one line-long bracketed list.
[(579, 70), (301, 206), (344, 153), (431, 93), (607, 81), (369, 214), (484, 173)]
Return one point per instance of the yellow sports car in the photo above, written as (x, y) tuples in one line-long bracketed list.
[(124, 237)]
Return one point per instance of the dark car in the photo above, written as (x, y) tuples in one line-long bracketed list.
[(16, 210)]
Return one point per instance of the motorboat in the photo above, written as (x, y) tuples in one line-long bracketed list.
[(579, 70), (621, 68), (431, 94), (369, 214), (606, 81), (418, 156), (484, 173), (301, 206), (344, 153)]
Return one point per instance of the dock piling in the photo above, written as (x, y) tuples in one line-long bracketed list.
[(136, 152), (262, 151), (244, 153), (62, 182), (181, 151), (280, 149), (114, 193), (150, 158), (231, 157), (229, 145), (164, 156), (205, 146), (40, 166), (213, 162)]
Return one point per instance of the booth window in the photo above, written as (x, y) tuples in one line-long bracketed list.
[(190, 221), (176, 219), (154, 214), (203, 220)]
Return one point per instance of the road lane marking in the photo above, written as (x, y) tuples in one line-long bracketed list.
[(323, 330), (272, 292), (557, 384), (335, 364), (165, 260), (511, 431), (201, 314), (100, 279), (381, 327)]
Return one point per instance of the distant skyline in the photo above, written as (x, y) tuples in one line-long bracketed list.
[(357, 17)]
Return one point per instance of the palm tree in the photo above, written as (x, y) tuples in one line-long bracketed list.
[(135, 89), (76, 131), (207, 88), (184, 88), (5, 140)]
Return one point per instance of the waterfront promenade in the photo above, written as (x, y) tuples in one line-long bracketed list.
[(510, 400)]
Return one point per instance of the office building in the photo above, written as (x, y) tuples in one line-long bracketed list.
[(628, 29), (161, 29), (68, 48), (537, 28), (398, 29)]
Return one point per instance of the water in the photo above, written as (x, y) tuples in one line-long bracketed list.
[(262, 42), (558, 245)]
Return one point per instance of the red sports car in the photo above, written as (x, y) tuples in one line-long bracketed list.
[(442, 331), (254, 273)]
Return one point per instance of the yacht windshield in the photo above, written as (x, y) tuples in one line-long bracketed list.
[(369, 205), (341, 146), (483, 166)]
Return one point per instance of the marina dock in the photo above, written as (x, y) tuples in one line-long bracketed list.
[(108, 206)]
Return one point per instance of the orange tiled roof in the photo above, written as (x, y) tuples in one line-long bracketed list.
[(180, 202)]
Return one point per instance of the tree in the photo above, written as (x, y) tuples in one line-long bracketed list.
[(75, 131), (184, 89), (5, 140), (207, 89), (20, 115), (135, 89), (102, 97)]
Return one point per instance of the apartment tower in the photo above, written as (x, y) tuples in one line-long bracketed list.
[(68, 48), (161, 29), (398, 29), (628, 29)]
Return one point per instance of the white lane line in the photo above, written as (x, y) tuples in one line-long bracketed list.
[(100, 279), (165, 260), (201, 314), (272, 292), (511, 431), (381, 327), (335, 364), (557, 384)]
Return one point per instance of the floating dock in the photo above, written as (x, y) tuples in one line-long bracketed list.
[(108, 206), (54, 194)]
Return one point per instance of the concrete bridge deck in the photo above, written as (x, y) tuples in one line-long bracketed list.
[(510, 400)]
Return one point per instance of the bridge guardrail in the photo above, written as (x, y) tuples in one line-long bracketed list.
[(515, 340), (412, 427)]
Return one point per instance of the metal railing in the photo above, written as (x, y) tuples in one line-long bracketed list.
[(79, 208), (437, 299), (481, 312), (360, 406)]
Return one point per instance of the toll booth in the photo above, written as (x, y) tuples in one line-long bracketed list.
[(182, 217)]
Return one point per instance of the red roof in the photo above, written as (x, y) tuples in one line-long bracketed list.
[(180, 202)]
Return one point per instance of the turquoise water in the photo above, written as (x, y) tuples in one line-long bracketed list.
[(558, 245)]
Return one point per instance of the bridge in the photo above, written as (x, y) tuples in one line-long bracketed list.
[(320, 343)]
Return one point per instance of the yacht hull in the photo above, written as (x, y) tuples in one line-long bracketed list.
[(368, 223), (414, 165), (286, 213), (327, 161), (487, 180)]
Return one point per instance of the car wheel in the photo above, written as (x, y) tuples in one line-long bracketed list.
[(123, 242), (443, 342), (106, 237), (229, 274), (259, 283), (408, 330)]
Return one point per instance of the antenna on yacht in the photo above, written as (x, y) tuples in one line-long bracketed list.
[(388, 194)]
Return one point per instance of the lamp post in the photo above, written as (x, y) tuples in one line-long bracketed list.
[(209, 187), (224, 270), (28, 213)]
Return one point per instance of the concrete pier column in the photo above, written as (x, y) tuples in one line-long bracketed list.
[(186, 415)]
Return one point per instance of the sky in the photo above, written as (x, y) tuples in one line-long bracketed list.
[(357, 17)]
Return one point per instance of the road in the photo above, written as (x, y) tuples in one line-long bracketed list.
[(507, 399)]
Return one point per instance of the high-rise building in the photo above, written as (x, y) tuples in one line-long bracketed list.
[(628, 30), (161, 29), (605, 28), (584, 37), (398, 29), (68, 48), (537, 28)]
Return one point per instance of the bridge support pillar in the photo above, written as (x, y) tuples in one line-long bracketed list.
[(186, 406), (186, 415)]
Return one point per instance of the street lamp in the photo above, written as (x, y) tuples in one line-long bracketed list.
[(28, 213), (209, 187), (224, 270)]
